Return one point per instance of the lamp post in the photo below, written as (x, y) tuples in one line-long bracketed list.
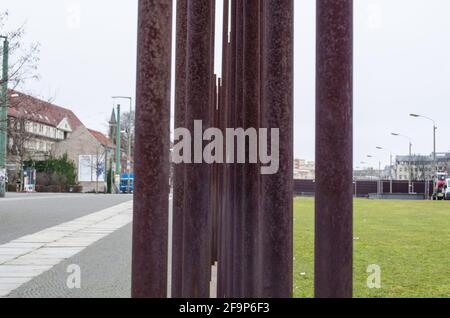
[(4, 117), (390, 165), (129, 138), (434, 141), (379, 173), (409, 160)]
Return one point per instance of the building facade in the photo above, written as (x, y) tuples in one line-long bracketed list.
[(304, 170), (91, 151), (38, 130), (421, 166), (34, 127)]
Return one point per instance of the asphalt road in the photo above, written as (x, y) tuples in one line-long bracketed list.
[(105, 266), (22, 214)]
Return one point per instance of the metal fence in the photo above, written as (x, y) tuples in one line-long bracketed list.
[(363, 189)]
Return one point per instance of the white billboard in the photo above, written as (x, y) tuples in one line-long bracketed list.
[(91, 168)]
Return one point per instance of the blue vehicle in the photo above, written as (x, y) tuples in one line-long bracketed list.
[(124, 183)]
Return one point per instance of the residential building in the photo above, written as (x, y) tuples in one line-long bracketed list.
[(34, 127), (92, 152), (38, 130), (304, 170), (421, 166)]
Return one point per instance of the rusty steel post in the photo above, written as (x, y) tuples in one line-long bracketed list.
[(151, 198), (239, 123), (231, 122), (179, 172), (212, 80), (277, 189), (213, 178), (251, 173), (334, 149), (196, 260), (222, 262)]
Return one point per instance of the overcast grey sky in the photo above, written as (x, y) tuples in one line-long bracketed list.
[(402, 65)]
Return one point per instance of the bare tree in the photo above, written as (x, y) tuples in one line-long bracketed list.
[(99, 165), (24, 59), (128, 128)]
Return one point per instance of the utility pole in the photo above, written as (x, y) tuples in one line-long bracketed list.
[(409, 160), (118, 168), (410, 167), (129, 138), (4, 117), (434, 169), (391, 177)]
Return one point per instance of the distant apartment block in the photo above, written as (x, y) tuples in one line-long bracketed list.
[(421, 166), (304, 170)]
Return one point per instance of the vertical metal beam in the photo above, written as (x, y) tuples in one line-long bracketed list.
[(277, 112), (239, 123), (334, 146), (150, 226), (251, 173), (223, 109), (231, 122), (196, 261), (179, 171)]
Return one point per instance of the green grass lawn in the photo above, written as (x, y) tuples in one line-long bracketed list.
[(409, 240)]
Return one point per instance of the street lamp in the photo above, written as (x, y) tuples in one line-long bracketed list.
[(434, 140), (391, 162), (410, 159), (4, 116), (390, 166), (379, 172), (130, 99)]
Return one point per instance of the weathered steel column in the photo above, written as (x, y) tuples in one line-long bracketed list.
[(196, 253), (179, 172), (239, 168), (334, 149), (231, 122), (277, 113), (223, 109), (150, 225), (251, 173)]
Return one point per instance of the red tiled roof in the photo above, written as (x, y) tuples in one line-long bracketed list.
[(33, 109), (102, 139)]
